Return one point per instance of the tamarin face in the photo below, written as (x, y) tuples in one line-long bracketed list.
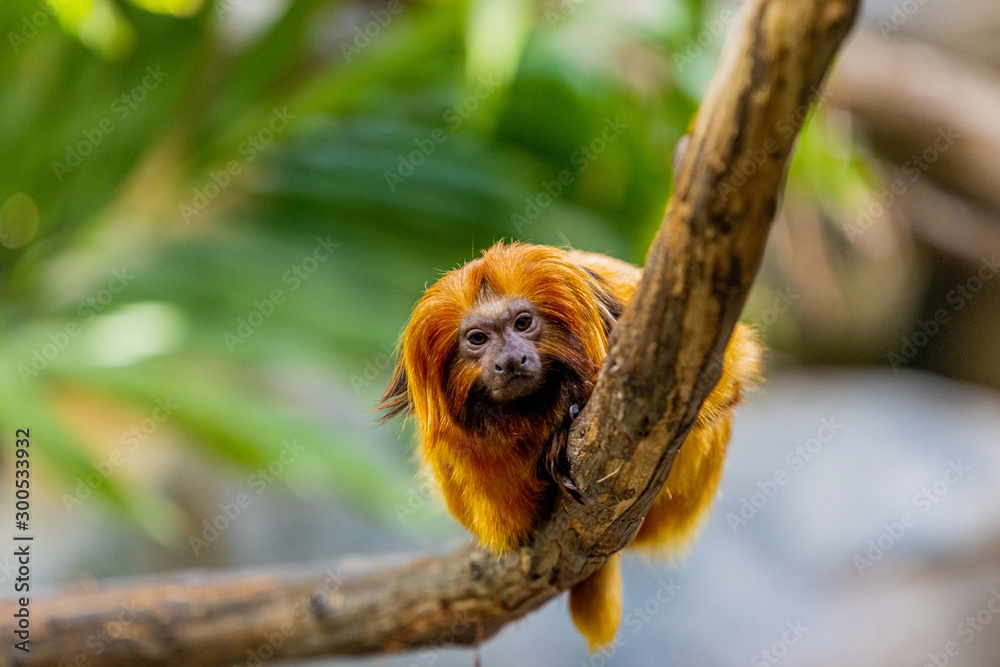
[(502, 346), (500, 337)]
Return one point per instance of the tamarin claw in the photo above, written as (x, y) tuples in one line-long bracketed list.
[(558, 465), (556, 461)]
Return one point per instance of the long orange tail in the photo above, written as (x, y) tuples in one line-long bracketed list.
[(595, 604)]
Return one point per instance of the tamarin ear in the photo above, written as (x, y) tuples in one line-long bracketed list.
[(396, 399), (611, 308)]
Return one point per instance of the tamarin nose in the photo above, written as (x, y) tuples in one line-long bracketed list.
[(511, 364)]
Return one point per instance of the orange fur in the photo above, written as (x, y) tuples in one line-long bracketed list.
[(595, 604), (488, 469)]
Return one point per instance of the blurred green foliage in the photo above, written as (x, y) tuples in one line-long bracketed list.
[(190, 164)]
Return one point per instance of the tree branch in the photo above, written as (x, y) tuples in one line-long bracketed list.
[(921, 103), (664, 359)]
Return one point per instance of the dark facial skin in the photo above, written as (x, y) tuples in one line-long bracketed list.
[(501, 337)]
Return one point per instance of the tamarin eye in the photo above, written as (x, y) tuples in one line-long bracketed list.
[(522, 323), (477, 338)]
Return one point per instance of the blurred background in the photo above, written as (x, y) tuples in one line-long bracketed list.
[(215, 217)]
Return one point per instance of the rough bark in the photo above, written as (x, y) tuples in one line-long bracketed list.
[(664, 360)]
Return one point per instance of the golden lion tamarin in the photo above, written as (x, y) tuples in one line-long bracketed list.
[(496, 361)]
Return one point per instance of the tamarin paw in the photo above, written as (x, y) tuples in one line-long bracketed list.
[(555, 458)]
